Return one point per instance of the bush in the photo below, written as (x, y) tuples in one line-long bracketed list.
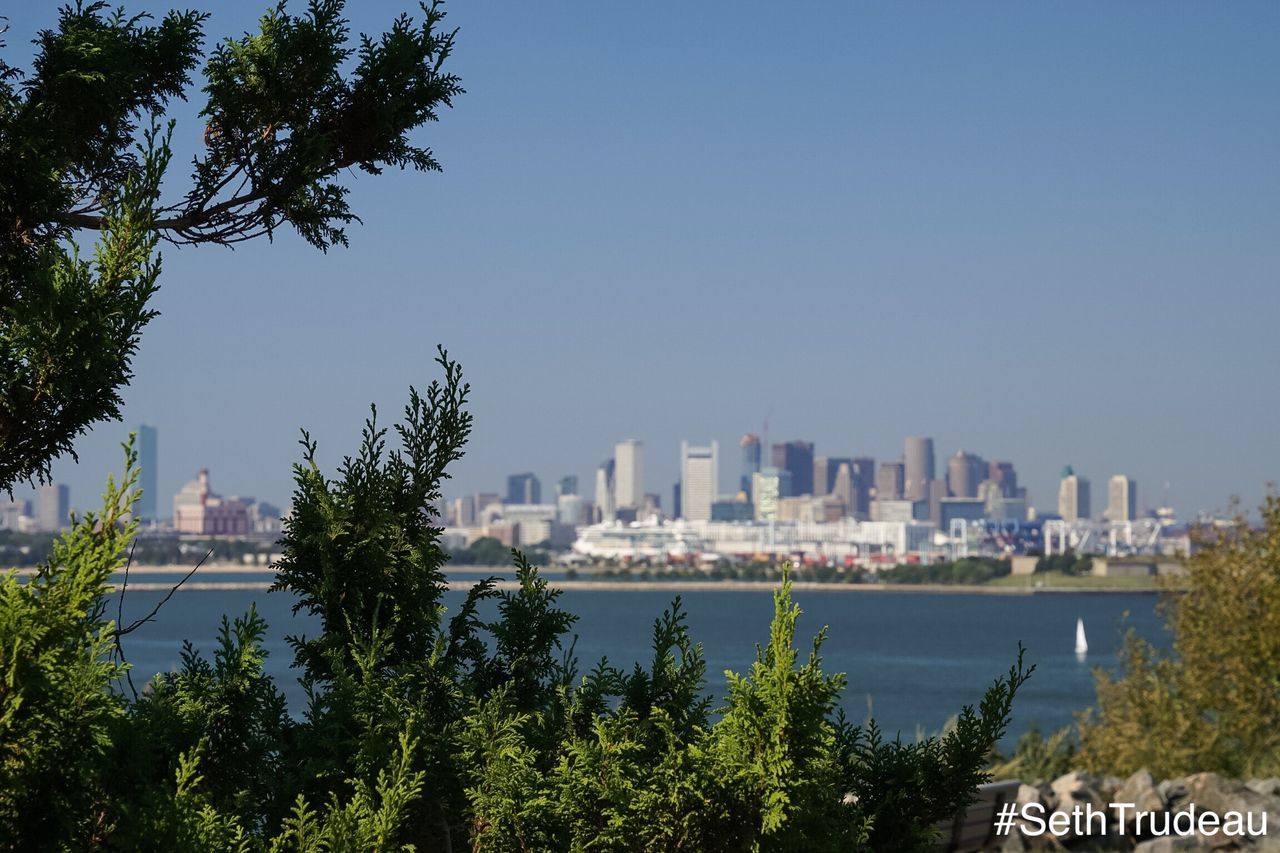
[(433, 731), (1214, 703)]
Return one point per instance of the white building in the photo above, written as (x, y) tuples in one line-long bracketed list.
[(1122, 498), (628, 475), (1073, 496), (699, 480)]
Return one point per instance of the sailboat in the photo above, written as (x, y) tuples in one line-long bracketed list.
[(1082, 645)]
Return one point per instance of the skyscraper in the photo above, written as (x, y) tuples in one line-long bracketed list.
[(796, 458), (750, 445), (890, 481), (1122, 498), (568, 485), (605, 508), (917, 468), (55, 507), (964, 472), (628, 476), (1073, 496), (842, 487), (864, 480), (769, 486), (1003, 475), (148, 438), (524, 489), (699, 480)]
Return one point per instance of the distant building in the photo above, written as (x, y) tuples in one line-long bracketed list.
[(676, 509), (750, 445), (937, 490), (524, 489), (1003, 475), (148, 459), (968, 509), (573, 510), (964, 472), (809, 509), (1122, 498), (864, 481), (628, 482), (605, 508), (890, 481), (198, 510), (462, 512), (652, 506), (769, 485), (15, 515), (918, 468), (732, 509), (1073, 496), (699, 480), (796, 458), (567, 486), (842, 486), (54, 511), (898, 510)]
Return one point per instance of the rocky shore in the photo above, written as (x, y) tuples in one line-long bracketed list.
[(1202, 811)]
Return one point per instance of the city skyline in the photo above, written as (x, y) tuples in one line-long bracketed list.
[(1011, 228)]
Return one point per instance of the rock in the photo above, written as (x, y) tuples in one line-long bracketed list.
[(1173, 790), (1211, 792), (1078, 792), (1139, 790), (1171, 845), (1266, 787)]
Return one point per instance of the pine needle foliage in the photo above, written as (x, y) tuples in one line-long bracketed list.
[(431, 730)]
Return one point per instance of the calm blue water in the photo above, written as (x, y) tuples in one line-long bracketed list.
[(913, 658)]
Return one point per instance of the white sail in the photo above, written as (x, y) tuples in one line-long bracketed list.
[(1082, 645)]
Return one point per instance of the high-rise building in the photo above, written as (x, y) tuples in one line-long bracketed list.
[(769, 486), (1073, 496), (864, 480), (568, 485), (825, 469), (462, 511), (605, 508), (699, 480), (750, 445), (572, 509), (917, 468), (54, 511), (148, 472), (1122, 498), (1003, 475), (796, 458), (842, 488), (676, 509), (524, 489), (964, 472), (890, 481), (628, 475)]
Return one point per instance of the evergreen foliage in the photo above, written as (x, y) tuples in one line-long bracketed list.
[(84, 145), (432, 730)]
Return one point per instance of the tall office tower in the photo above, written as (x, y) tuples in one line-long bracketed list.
[(605, 508), (769, 486), (699, 480), (462, 511), (935, 492), (842, 487), (1003, 475), (568, 485), (1073, 496), (628, 476), (55, 507), (750, 445), (676, 509), (864, 480), (917, 468), (964, 472), (524, 489), (796, 458), (147, 472), (1122, 498), (890, 481), (824, 473)]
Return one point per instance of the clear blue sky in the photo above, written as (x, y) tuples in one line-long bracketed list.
[(1040, 232)]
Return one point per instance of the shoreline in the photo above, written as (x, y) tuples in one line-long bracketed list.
[(583, 584)]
